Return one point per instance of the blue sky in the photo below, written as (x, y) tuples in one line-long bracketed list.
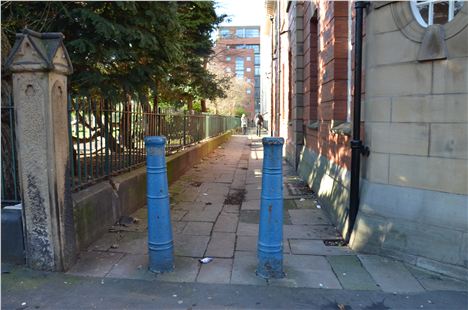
[(241, 12)]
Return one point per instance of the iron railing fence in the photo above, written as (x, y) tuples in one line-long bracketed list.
[(10, 193), (107, 137)]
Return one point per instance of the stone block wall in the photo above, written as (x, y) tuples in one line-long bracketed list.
[(416, 112)]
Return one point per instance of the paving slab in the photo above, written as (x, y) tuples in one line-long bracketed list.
[(225, 178), (198, 228), (243, 269), (435, 282), (95, 264), (178, 227), (351, 273), (238, 183), (253, 188), (253, 194), (253, 180), (132, 266), (249, 243), (106, 241), (307, 271), (286, 246), (177, 215), (185, 270), (226, 222), (317, 247), (249, 216), (306, 203), (188, 206), (245, 229), (207, 214), (390, 275), (132, 242), (289, 204), (138, 225), (253, 217), (215, 188), (215, 198), (192, 246), (221, 245), (217, 271), (246, 243), (231, 209), (141, 213), (253, 204), (187, 196), (310, 232), (308, 217)]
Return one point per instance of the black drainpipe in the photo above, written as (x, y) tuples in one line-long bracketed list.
[(357, 147)]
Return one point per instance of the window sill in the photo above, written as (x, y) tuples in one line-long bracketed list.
[(343, 129), (314, 125)]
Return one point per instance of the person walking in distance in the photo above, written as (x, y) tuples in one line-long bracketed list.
[(244, 122), (259, 123)]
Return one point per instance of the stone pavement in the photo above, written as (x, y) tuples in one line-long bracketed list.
[(215, 212)]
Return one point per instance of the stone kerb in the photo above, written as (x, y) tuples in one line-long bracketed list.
[(39, 64)]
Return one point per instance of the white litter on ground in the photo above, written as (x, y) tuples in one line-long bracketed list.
[(205, 260)]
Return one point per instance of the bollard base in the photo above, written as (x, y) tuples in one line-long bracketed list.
[(270, 269), (161, 261), (161, 267), (161, 270)]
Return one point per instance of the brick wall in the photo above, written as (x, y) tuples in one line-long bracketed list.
[(325, 78)]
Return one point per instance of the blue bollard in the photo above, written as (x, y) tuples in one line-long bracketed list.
[(160, 245), (270, 236)]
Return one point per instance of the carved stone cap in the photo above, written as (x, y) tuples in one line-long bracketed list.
[(34, 51)]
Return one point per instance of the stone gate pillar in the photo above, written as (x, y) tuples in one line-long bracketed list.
[(40, 65)]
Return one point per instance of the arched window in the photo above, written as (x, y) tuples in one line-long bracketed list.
[(429, 12)]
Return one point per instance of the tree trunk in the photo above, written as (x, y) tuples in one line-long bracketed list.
[(125, 125), (156, 98), (190, 104), (203, 101), (149, 116), (110, 141), (203, 105)]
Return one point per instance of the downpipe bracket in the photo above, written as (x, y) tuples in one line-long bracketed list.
[(361, 4), (363, 149)]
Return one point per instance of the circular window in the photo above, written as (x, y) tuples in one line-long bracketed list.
[(429, 12)]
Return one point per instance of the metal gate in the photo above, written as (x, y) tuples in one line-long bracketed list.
[(10, 194)]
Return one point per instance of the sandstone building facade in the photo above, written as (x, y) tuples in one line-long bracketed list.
[(413, 195)]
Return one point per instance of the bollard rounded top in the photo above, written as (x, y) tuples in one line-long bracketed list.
[(273, 141), (155, 140)]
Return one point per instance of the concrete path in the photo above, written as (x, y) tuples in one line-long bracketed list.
[(25, 289), (215, 212)]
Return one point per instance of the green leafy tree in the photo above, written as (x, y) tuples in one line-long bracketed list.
[(150, 48)]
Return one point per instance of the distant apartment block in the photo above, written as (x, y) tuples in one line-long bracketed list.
[(238, 52)]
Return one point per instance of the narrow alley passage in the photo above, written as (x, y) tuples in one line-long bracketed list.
[(215, 212)]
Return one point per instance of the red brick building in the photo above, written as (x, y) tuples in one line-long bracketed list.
[(237, 51)]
